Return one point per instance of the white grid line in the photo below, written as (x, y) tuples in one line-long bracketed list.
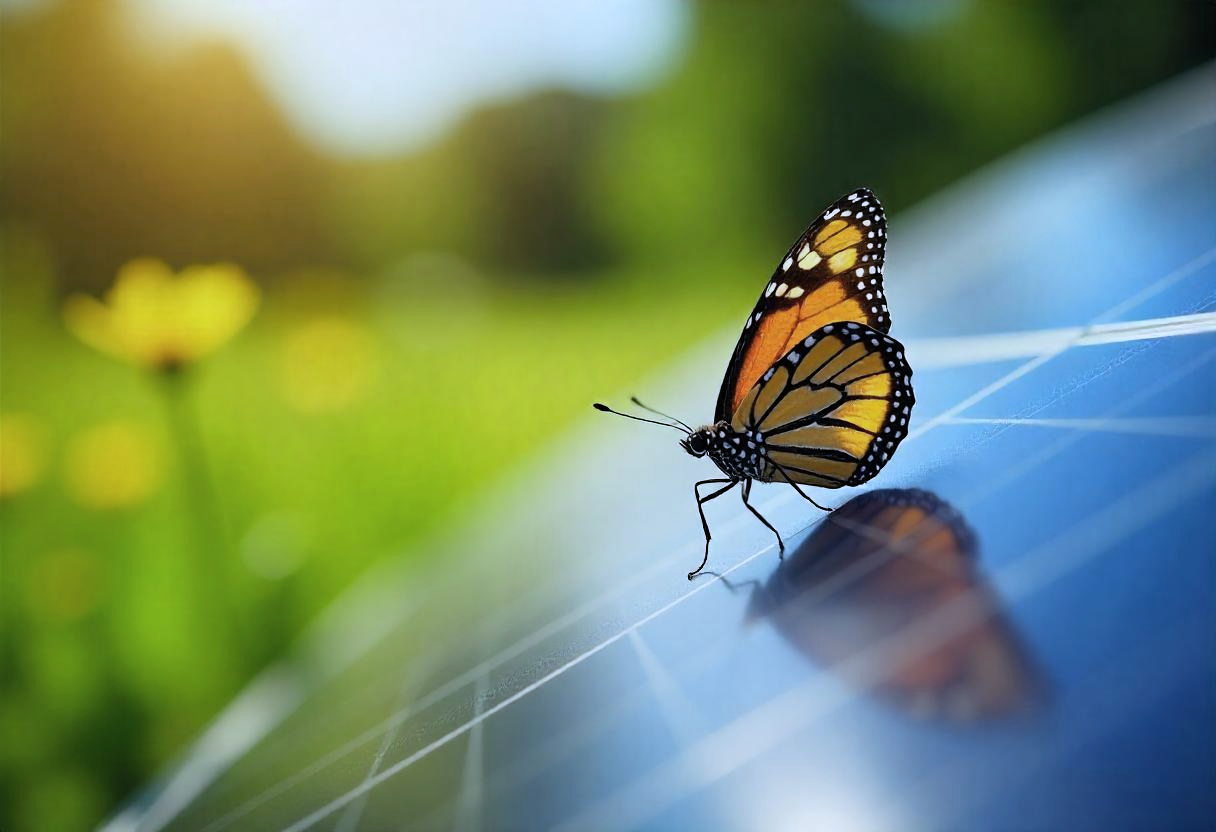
[(469, 801), (1195, 427), (349, 821), (679, 712)]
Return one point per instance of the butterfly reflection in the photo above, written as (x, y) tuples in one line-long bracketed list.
[(887, 593)]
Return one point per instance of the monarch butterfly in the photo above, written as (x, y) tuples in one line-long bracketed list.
[(816, 392), (900, 564)]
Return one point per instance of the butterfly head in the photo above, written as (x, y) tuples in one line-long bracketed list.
[(698, 441)]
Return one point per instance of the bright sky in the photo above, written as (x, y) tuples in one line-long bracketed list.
[(370, 76)]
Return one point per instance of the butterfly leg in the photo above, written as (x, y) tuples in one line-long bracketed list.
[(747, 490), (701, 501), (804, 495)]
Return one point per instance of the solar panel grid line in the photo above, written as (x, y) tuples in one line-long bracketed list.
[(1179, 426), (579, 659), (1194, 323), (969, 350), (770, 724), (469, 801), (679, 711), (349, 820)]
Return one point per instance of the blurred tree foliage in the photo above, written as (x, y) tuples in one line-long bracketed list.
[(113, 150)]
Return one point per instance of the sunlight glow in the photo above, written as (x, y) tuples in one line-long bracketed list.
[(374, 76)]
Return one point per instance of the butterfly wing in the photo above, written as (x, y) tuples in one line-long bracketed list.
[(831, 411), (832, 273), (891, 564)]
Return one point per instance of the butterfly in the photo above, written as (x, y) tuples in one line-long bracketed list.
[(816, 392), (887, 592)]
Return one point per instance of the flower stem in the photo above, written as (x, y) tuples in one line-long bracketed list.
[(210, 559)]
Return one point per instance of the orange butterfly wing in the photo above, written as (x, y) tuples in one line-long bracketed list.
[(832, 273), (833, 410), (891, 562)]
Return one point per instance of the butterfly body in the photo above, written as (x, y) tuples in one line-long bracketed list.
[(816, 392), (738, 455)]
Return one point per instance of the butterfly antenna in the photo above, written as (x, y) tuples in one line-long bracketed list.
[(635, 400), (606, 409)]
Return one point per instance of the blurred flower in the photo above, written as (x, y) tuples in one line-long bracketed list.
[(65, 585), (116, 465), (22, 454), (328, 364), (154, 318)]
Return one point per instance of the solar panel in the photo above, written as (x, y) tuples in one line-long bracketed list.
[(1034, 648)]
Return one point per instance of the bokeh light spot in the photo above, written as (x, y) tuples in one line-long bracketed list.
[(22, 454), (328, 364), (112, 466)]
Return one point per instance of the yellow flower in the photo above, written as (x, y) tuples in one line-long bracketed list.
[(21, 455), (115, 465), (154, 318)]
